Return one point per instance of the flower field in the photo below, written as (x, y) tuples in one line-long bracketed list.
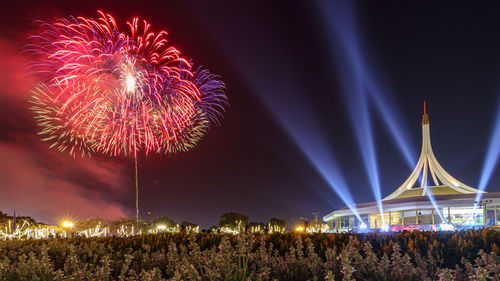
[(466, 255)]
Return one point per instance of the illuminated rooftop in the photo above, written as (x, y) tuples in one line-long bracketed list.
[(417, 196), (428, 167), (433, 190)]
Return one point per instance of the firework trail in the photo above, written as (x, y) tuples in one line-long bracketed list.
[(118, 92)]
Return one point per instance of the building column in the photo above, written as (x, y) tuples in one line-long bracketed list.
[(495, 211), (449, 215), (403, 217), (416, 216), (432, 216), (390, 218), (485, 215)]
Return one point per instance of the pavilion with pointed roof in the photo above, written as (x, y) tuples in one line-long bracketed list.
[(448, 201)]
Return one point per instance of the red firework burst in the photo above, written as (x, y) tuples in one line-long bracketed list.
[(112, 91)]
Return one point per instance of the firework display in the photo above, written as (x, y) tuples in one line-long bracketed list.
[(118, 92)]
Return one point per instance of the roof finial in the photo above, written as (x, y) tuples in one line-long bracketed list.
[(425, 118)]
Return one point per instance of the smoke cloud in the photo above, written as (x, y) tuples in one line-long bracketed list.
[(40, 182)]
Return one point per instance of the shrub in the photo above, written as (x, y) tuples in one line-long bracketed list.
[(466, 255)]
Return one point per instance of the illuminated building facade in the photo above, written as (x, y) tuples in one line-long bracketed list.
[(447, 202)]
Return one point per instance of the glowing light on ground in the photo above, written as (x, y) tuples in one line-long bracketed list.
[(27, 230), (275, 229), (67, 224), (317, 229), (97, 231), (160, 228), (127, 231), (446, 227), (256, 229), (192, 229), (234, 229)]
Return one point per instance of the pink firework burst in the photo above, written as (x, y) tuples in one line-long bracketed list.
[(117, 92)]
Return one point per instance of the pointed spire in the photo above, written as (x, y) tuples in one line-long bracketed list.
[(428, 166), (425, 118)]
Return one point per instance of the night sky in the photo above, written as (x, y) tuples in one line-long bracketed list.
[(280, 61)]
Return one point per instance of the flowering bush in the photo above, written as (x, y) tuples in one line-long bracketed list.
[(467, 255)]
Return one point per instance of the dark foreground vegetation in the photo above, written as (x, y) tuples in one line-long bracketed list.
[(466, 255)]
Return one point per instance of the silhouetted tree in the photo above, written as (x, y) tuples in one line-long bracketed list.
[(189, 227), (191, 224), (233, 220), (168, 222), (90, 223)]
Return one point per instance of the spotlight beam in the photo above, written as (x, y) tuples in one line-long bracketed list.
[(285, 100), (492, 156), (434, 203), (390, 114), (344, 30), (356, 98), (353, 74), (301, 125)]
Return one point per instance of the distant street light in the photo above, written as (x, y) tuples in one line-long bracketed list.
[(67, 224)]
